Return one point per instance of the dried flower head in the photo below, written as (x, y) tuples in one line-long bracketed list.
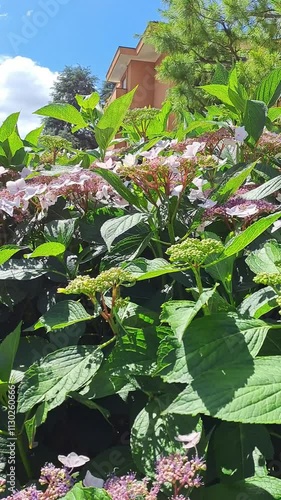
[(193, 252)]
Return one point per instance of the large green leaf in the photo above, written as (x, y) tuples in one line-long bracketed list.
[(144, 269), (269, 89), (7, 251), (61, 372), (8, 126), (274, 113), (230, 186), (258, 303), (63, 111), (113, 228), (219, 91), (35, 421), (15, 143), (33, 136), (248, 392), (48, 249), (8, 350), (211, 342), (254, 119), (60, 231), (266, 259), (61, 315), (179, 313), (260, 488), (112, 119), (264, 190), (234, 449), (153, 433), (23, 269), (243, 239), (89, 102)]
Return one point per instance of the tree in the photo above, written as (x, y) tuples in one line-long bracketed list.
[(106, 91), (71, 81), (199, 34)]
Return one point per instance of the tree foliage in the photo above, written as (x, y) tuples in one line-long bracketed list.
[(71, 81), (198, 34)]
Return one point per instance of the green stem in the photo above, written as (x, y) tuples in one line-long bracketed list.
[(197, 275), (23, 456), (171, 232), (105, 344)]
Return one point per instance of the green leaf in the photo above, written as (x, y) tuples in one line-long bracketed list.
[(228, 188), (62, 111), (266, 259), (261, 488), (33, 136), (8, 350), (254, 119), (61, 315), (153, 433), (219, 91), (32, 423), (61, 372), (179, 313), (243, 239), (15, 143), (7, 251), (22, 269), (115, 181), (221, 75), (8, 126), (264, 190), (269, 89), (113, 228), (210, 343), (60, 231), (248, 392), (78, 492), (48, 249), (274, 113), (89, 102), (144, 269), (234, 446), (258, 303), (110, 122)]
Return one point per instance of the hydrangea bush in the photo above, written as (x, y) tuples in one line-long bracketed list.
[(140, 310)]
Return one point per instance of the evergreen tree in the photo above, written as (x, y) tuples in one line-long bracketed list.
[(198, 34), (71, 81)]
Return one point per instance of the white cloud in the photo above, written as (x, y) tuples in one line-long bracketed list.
[(5, 14), (29, 12), (24, 86)]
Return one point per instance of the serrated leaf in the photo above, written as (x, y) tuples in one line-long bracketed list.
[(144, 269), (228, 188), (61, 372), (179, 313), (8, 126), (7, 251), (8, 350), (274, 113), (52, 249), (269, 89), (219, 91), (62, 111), (258, 303), (244, 392), (60, 231), (212, 342), (33, 136), (261, 488), (152, 433), (61, 315), (266, 189), (22, 269), (113, 228), (266, 259)]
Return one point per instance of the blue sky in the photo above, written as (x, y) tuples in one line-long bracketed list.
[(55, 33)]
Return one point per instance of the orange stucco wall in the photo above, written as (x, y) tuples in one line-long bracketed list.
[(141, 73)]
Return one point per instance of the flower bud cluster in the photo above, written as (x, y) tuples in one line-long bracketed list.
[(270, 279), (127, 488), (194, 252), (101, 284)]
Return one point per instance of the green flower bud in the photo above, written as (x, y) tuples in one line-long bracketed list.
[(194, 252), (271, 279), (101, 284)]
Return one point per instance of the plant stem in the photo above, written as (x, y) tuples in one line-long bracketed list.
[(105, 344), (196, 271), (23, 456)]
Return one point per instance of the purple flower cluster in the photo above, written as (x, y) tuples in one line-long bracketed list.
[(57, 482), (237, 207), (176, 470)]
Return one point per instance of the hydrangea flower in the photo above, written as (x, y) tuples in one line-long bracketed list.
[(240, 134), (73, 460)]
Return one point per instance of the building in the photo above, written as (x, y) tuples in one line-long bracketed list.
[(133, 67)]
